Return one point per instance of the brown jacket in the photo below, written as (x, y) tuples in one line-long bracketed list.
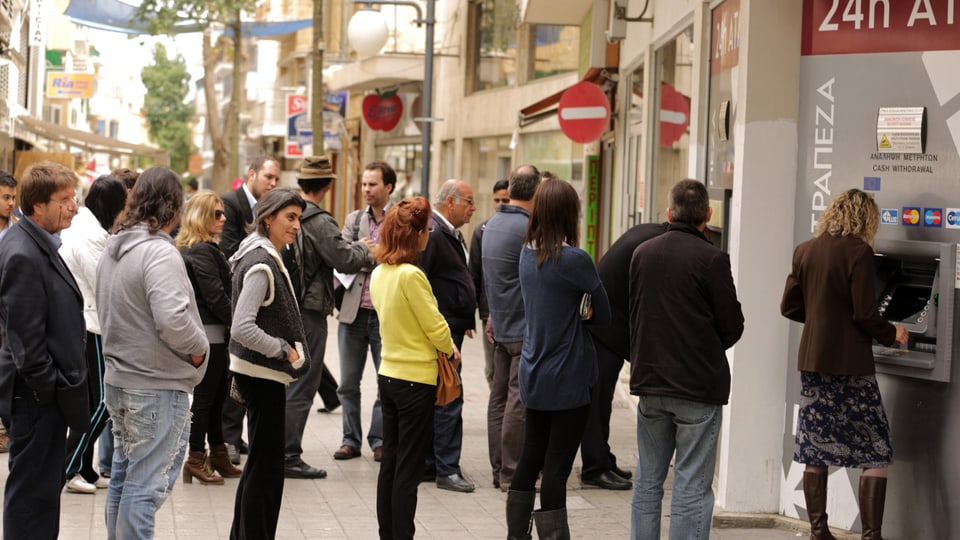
[(831, 291)]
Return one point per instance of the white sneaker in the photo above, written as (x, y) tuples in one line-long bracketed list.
[(78, 485), (102, 483)]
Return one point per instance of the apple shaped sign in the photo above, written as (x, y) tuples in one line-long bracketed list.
[(382, 112)]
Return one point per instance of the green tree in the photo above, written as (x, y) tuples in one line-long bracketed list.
[(162, 15), (168, 116)]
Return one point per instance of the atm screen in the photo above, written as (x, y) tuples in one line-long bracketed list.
[(905, 303)]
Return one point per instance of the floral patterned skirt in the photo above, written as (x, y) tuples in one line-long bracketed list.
[(842, 422)]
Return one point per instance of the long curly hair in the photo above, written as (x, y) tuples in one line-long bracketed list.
[(851, 213), (155, 200)]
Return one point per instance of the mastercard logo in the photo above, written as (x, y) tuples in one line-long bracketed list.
[(911, 216)]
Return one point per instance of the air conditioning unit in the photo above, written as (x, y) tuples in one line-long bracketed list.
[(617, 24)]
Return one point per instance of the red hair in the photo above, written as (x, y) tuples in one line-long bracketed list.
[(400, 232)]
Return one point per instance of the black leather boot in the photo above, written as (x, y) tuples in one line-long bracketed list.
[(519, 512), (815, 493), (873, 494), (552, 524)]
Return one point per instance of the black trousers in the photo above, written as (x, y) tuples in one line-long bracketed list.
[(407, 435), (231, 419), (80, 443), (257, 506), (595, 443), (328, 389), (208, 397), (549, 445), (38, 440)]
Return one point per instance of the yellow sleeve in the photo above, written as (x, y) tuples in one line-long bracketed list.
[(420, 298)]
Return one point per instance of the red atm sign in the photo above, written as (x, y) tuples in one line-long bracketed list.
[(876, 26)]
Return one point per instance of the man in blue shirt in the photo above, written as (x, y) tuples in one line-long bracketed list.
[(503, 239)]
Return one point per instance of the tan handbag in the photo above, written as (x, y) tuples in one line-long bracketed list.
[(448, 380)]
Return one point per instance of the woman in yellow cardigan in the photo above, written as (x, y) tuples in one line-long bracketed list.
[(412, 330)]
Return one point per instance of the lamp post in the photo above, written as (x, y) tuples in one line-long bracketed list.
[(367, 36)]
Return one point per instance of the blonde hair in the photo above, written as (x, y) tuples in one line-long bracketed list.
[(852, 213), (197, 215)]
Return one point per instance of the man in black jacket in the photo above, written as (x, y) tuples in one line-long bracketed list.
[(684, 315), (501, 195), (43, 370), (240, 204), (320, 250), (612, 343), (445, 263)]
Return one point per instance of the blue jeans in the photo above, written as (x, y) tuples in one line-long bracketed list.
[(665, 424), (151, 430), (354, 339), (105, 447), (448, 430)]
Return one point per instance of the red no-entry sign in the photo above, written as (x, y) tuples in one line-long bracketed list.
[(584, 112)]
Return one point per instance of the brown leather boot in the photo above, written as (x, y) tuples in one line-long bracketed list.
[(197, 467), (815, 493), (873, 493), (220, 461)]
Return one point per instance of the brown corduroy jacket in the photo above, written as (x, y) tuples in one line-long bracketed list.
[(831, 291)]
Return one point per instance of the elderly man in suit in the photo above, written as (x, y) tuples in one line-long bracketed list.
[(444, 261), (43, 371)]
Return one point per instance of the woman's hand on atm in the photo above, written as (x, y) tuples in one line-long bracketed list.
[(902, 335)]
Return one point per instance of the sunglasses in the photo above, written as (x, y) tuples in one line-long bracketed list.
[(217, 214)]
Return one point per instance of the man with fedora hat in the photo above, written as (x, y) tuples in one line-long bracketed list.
[(319, 250)]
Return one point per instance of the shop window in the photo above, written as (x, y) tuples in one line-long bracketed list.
[(670, 147), (405, 160), (486, 161), (494, 44), (52, 113), (632, 208), (553, 151), (555, 50)]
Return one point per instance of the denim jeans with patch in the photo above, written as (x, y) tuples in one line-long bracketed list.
[(691, 428), (151, 430), (354, 339)]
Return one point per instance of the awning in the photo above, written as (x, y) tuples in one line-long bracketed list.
[(547, 106), (86, 140), (117, 16), (380, 71), (560, 12)]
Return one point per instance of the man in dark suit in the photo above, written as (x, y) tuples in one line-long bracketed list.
[(445, 263), (612, 343), (239, 206), (43, 371)]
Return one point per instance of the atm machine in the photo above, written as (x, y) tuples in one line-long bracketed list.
[(915, 289), (880, 111)]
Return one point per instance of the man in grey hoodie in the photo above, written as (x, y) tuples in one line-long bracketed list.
[(154, 346)]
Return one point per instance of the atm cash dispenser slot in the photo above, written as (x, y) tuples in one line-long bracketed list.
[(915, 289)]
